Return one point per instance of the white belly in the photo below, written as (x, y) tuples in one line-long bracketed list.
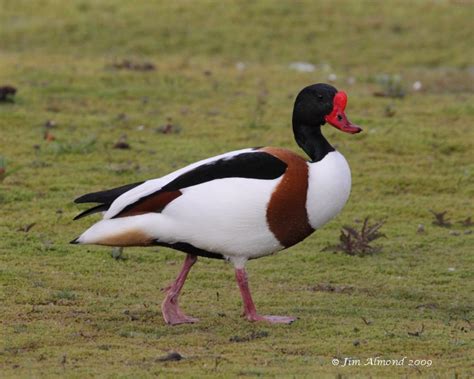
[(226, 216), (329, 187)]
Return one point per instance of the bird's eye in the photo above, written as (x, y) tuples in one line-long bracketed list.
[(339, 117), (320, 97)]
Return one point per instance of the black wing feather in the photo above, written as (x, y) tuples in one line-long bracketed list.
[(96, 209), (107, 196)]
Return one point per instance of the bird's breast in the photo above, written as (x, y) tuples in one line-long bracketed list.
[(287, 215), (329, 186)]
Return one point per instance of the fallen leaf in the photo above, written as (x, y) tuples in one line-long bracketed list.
[(7, 93), (417, 333), (26, 228), (127, 64), (122, 143), (173, 356)]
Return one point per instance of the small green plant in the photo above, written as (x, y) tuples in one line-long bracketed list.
[(440, 219), (86, 145), (3, 169), (65, 295), (117, 254), (252, 336), (354, 242), (467, 222)]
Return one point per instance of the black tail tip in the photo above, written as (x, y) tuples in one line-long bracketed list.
[(74, 241)]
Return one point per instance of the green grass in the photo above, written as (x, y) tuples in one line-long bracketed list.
[(71, 311)]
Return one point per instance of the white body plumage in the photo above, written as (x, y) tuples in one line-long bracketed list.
[(225, 216)]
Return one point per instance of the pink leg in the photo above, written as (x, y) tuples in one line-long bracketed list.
[(170, 308), (249, 307)]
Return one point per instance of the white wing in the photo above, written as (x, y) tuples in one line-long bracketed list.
[(153, 185)]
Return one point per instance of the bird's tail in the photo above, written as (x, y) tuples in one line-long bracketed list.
[(126, 231)]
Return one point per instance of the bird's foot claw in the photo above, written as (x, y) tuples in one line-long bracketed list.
[(180, 319), (173, 314)]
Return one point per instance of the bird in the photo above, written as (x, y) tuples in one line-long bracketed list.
[(238, 206)]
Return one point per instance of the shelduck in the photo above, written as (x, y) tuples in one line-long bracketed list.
[(237, 206)]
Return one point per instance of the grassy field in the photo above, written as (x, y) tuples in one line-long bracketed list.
[(222, 81)]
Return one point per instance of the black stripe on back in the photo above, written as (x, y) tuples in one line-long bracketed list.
[(246, 165)]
